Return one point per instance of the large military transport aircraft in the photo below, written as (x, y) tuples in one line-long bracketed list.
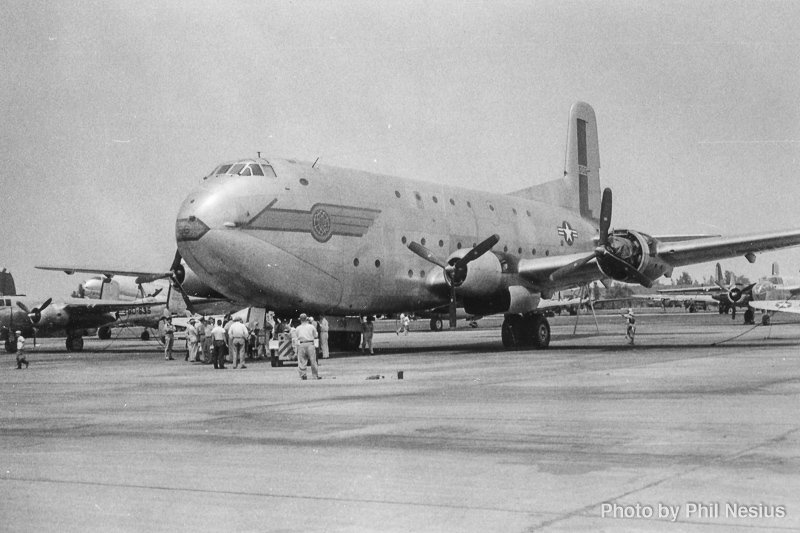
[(297, 237)]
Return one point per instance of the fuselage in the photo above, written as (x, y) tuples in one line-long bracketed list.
[(334, 240)]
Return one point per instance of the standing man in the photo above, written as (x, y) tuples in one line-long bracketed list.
[(368, 329), (630, 325), (201, 340), (191, 341), (218, 336), (21, 351), (323, 335), (169, 338), (237, 333), (208, 344), (404, 323), (306, 333)]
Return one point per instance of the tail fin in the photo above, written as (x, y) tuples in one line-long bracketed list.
[(720, 278), (776, 271), (7, 286), (580, 188)]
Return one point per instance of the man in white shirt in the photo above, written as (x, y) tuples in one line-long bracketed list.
[(237, 336), (306, 333)]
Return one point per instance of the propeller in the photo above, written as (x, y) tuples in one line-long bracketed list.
[(604, 249), (178, 274), (457, 272), (35, 314)]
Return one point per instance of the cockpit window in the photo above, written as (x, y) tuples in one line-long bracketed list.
[(268, 171), (256, 169), (236, 168), (223, 169), (246, 171)]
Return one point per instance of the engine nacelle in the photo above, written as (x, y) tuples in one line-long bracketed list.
[(483, 277), (192, 284), (514, 299), (51, 318), (635, 248)]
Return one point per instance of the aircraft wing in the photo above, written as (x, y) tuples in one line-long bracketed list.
[(701, 250), (141, 275), (781, 306), (693, 290), (79, 306)]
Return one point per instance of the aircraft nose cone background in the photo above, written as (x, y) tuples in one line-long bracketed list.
[(212, 206)]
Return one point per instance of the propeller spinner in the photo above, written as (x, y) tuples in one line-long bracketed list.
[(35, 314)]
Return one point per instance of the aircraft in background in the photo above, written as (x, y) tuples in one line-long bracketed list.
[(71, 317), (163, 295), (298, 237), (776, 293), (728, 298)]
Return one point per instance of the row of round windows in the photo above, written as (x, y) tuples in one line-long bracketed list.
[(418, 197), (423, 242)]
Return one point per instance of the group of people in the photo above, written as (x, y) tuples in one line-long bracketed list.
[(213, 342)]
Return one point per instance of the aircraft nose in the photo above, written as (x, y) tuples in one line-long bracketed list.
[(205, 209)]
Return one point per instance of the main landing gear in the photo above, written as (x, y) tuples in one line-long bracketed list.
[(74, 343), (521, 331)]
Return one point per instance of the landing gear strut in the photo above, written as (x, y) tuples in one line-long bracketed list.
[(531, 330)]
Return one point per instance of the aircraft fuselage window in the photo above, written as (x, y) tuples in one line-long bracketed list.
[(236, 168), (8, 303)]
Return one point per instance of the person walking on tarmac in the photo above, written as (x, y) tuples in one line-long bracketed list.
[(630, 325), (21, 351), (404, 323), (306, 353), (323, 336)]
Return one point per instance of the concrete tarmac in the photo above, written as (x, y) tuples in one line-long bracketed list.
[(474, 438)]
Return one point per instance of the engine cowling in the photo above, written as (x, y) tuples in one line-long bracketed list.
[(193, 285), (51, 318), (482, 277), (635, 248)]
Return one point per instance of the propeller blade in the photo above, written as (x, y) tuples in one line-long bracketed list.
[(570, 268), (478, 251), (45, 304), (452, 307), (733, 312), (605, 217), (640, 278), (23, 307), (427, 255)]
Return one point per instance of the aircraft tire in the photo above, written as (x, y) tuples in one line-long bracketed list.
[(765, 320), (104, 333), (749, 317), (74, 344), (436, 324), (11, 347), (512, 332), (540, 332), (145, 336)]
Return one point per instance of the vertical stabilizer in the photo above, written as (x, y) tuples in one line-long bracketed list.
[(776, 271), (579, 189), (7, 286), (582, 165)]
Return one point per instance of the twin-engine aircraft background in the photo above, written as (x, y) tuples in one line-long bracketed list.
[(163, 292), (71, 316), (727, 297), (296, 237)]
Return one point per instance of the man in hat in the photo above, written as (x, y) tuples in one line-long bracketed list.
[(191, 341), (237, 335), (630, 329), (201, 339), (21, 351), (168, 338), (306, 334)]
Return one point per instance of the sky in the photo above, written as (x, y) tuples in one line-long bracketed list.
[(113, 111)]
